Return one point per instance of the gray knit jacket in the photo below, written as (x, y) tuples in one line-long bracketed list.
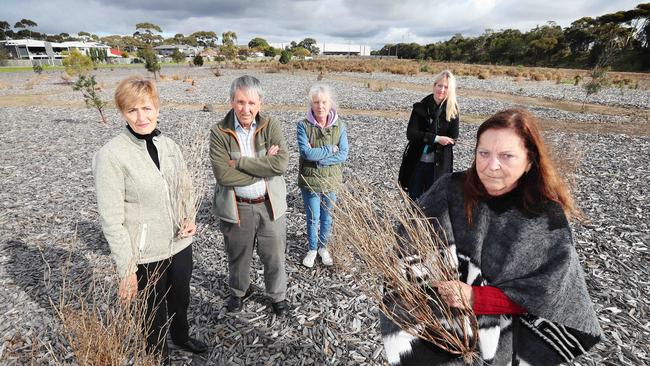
[(133, 200)]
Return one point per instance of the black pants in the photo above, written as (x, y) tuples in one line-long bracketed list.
[(169, 296), (422, 179)]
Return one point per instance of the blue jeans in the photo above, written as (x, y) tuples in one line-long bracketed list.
[(318, 207)]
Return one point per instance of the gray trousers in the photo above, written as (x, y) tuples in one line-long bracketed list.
[(256, 227)]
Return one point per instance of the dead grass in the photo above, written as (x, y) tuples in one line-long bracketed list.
[(98, 327), (484, 74), (216, 70), (414, 67), (403, 265), (36, 80), (191, 179), (377, 86)]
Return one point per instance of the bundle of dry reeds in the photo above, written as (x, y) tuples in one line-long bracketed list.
[(99, 328), (380, 234), (189, 182)]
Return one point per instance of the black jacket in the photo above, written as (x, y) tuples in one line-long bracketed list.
[(422, 131)]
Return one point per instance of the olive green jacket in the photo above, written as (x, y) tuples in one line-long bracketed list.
[(320, 167), (224, 146)]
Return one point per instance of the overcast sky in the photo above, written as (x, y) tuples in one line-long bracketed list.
[(369, 22)]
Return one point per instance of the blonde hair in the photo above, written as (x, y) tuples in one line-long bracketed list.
[(452, 105), (135, 89)]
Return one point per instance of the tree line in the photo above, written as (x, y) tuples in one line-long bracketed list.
[(620, 40), (148, 35)]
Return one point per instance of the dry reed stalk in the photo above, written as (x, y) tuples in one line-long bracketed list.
[(402, 264), (189, 182), (99, 328)]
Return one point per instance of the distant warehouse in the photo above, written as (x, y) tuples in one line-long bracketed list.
[(340, 49), (336, 49)]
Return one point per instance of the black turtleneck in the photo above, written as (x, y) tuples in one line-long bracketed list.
[(151, 148)]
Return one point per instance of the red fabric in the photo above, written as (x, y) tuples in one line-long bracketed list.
[(489, 300)]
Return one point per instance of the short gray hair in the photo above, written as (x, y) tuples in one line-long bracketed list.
[(248, 83), (322, 89)]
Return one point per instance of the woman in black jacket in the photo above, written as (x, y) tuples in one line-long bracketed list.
[(431, 132)]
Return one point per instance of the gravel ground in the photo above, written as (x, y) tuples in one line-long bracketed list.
[(626, 97), (290, 89), (47, 201)]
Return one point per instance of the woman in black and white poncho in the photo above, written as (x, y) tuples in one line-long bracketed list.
[(505, 218)]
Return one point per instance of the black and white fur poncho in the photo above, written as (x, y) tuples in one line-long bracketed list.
[(531, 258)]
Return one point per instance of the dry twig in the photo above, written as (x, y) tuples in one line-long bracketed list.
[(190, 182)]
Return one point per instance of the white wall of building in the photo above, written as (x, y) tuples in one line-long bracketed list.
[(339, 48)]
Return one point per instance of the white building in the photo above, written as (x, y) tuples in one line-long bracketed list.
[(31, 49), (332, 49), (335, 49)]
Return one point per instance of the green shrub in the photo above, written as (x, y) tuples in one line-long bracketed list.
[(197, 60), (271, 52), (37, 68), (151, 61), (599, 80), (577, 79), (77, 63), (178, 56), (285, 57), (87, 86)]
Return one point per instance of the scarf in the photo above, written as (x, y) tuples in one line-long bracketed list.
[(148, 138)]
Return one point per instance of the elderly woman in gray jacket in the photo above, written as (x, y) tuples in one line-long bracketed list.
[(133, 174)]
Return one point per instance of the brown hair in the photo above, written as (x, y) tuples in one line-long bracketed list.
[(134, 89), (540, 184)]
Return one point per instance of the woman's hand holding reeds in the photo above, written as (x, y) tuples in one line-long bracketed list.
[(187, 229), (456, 294), (128, 288)]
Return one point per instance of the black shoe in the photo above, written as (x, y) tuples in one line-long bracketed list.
[(193, 345), (235, 304), (280, 308)]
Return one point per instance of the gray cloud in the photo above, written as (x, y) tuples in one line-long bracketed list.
[(373, 22)]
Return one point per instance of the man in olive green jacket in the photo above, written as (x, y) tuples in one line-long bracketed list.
[(249, 155)]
